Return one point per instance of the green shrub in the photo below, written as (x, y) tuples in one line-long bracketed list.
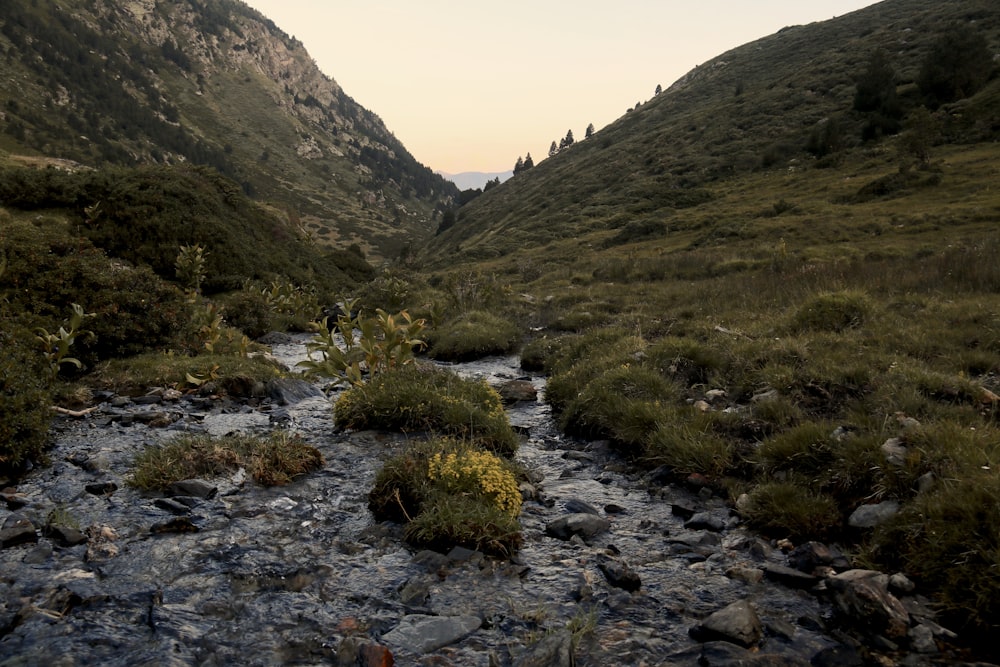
[(272, 460), (833, 311), (690, 361), (25, 397), (248, 310), (786, 509), (687, 449), (422, 398), (622, 402), (234, 375), (462, 521), (536, 354), (948, 540), (472, 336), (450, 493)]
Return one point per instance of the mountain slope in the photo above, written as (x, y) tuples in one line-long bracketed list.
[(215, 83), (755, 107)]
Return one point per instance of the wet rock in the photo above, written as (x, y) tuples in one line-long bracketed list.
[(838, 656), (620, 575), (863, 597), (575, 506), (900, 583), (422, 634), (811, 555), (181, 524), (737, 623), (197, 488), (555, 650), (39, 554), (922, 639), (172, 506), (464, 555), (789, 576), (517, 390), (101, 488), (357, 652), (614, 508), (17, 529), (432, 560), (289, 391), (65, 536), (684, 511), (581, 524), (869, 516), (706, 521), (14, 500), (152, 399), (749, 575)]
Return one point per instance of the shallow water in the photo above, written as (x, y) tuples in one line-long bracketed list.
[(284, 575)]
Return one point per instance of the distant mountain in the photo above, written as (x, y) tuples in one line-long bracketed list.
[(130, 82), (470, 180)]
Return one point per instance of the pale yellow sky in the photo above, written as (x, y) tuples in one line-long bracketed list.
[(469, 85)]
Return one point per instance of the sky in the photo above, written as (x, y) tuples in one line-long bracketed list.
[(470, 85)]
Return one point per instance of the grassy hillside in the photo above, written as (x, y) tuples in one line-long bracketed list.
[(757, 108), (216, 84), (762, 287)]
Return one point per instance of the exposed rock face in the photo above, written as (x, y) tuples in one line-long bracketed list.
[(864, 599)]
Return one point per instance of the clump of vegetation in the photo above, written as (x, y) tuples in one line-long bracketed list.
[(417, 398), (25, 397), (450, 493), (792, 510), (834, 311), (359, 347), (272, 460), (473, 335), (230, 374)]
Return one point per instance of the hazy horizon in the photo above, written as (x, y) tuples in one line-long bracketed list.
[(471, 87)]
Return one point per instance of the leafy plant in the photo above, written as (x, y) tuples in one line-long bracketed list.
[(55, 346), (190, 267), (360, 347)]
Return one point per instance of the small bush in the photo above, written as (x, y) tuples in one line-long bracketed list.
[(949, 541), (272, 460), (231, 374), (421, 398), (788, 510), (833, 311), (687, 450), (25, 397), (690, 361), (472, 336), (450, 493), (605, 406), (248, 311)]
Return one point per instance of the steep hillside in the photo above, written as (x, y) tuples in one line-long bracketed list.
[(782, 103), (210, 83)]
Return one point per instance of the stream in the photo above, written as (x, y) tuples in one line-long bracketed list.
[(302, 574)]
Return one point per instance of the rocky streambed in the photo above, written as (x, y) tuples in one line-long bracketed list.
[(621, 568)]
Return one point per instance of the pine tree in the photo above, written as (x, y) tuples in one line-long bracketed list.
[(553, 149), (569, 138), (528, 162), (659, 89), (519, 166), (590, 131)]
